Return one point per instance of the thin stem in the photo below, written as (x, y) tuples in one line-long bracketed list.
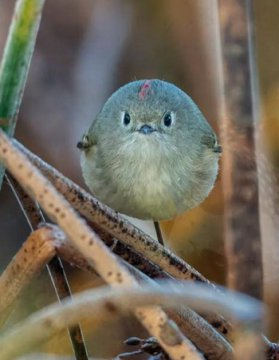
[(34, 217), (63, 291)]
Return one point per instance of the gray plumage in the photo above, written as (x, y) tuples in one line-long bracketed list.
[(156, 162)]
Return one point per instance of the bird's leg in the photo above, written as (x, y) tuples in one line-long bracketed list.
[(158, 232)]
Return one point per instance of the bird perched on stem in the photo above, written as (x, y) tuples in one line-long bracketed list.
[(150, 153)]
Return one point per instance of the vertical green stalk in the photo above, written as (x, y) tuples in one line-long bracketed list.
[(16, 61)]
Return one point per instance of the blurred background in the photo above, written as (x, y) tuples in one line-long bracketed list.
[(85, 50)]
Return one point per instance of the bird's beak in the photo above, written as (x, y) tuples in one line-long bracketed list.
[(146, 129)]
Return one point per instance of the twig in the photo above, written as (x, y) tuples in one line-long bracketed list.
[(105, 301), (91, 247), (62, 289), (55, 268)]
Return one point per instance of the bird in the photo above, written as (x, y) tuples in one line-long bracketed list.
[(150, 153)]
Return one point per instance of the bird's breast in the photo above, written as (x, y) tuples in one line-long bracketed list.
[(144, 180), (148, 179)]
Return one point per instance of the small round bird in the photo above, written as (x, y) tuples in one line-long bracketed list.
[(150, 153)]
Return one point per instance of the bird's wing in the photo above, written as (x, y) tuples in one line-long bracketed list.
[(88, 139), (211, 141)]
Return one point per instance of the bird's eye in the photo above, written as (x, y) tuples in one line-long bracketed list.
[(168, 119), (126, 119)]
